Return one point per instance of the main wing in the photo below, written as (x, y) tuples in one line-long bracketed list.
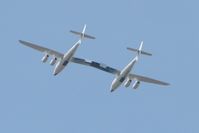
[(42, 49), (146, 79)]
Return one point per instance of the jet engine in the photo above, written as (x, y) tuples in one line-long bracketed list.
[(53, 61), (127, 83), (136, 84), (45, 58)]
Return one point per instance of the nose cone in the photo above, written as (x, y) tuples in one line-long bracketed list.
[(113, 85), (57, 70), (54, 74), (112, 90)]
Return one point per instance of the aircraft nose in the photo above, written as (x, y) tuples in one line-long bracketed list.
[(112, 90), (112, 87), (54, 74)]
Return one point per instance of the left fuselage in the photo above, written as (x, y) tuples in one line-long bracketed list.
[(119, 79), (66, 58)]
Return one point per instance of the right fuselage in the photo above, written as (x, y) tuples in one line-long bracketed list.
[(119, 79)]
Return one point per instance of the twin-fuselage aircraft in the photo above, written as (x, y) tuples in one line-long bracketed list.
[(61, 60)]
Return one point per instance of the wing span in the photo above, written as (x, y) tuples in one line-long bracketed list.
[(146, 79), (94, 64), (42, 49)]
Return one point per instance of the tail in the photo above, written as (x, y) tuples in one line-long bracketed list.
[(82, 34), (139, 50)]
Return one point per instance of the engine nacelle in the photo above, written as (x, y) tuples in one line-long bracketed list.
[(53, 61), (127, 83), (136, 84), (45, 58)]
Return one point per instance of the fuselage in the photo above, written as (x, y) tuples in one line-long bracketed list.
[(66, 58), (119, 79)]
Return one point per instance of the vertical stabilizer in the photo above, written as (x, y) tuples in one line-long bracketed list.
[(140, 48)]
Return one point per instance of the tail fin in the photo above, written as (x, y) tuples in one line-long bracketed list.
[(139, 50), (82, 34)]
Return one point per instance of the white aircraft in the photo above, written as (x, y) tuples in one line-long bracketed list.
[(61, 59), (124, 76)]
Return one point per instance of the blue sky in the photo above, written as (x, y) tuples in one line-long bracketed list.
[(78, 100)]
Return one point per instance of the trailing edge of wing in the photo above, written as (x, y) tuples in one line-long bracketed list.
[(146, 79), (42, 49)]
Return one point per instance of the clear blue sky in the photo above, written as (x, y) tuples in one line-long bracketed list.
[(78, 100)]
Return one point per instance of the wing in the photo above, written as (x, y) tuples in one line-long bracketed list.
[(146, 79), (94, 64), (42, 49)]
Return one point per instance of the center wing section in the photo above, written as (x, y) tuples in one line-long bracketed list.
[(94, 64), (42, 49)]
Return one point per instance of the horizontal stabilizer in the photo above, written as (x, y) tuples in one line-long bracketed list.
[(142, 52), (84, 35)]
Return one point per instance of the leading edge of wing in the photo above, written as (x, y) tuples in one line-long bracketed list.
[(94, 64), (42, 49), (146, 79)]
